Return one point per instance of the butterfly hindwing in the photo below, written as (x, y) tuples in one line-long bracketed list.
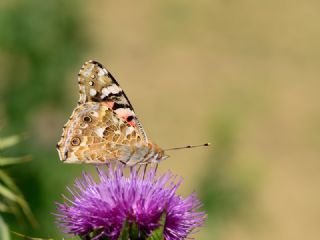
[(95, 134), (98, 85)]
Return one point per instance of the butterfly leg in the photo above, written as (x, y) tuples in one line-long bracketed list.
[(124, 163), (157, 164), (145, 170)]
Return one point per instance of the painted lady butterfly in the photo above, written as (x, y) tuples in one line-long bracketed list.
[(104, 127)]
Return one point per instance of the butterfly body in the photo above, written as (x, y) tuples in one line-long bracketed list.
[(104, 127)]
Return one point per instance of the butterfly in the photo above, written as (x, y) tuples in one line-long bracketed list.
[(104, 127)]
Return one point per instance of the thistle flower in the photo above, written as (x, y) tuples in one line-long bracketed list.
[(105, 207)]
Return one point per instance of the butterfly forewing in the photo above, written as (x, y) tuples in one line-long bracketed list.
[(98, 85)]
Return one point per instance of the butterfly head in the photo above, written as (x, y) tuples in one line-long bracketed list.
[(159, 153), (162, 155)]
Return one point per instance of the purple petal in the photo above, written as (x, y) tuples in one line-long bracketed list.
[(108, 203)]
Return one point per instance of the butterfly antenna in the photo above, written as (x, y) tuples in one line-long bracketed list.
[(189, 146)]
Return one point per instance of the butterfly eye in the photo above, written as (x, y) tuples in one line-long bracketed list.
[(87, 119), (75, 141)]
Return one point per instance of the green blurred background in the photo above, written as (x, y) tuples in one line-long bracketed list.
[(243, 75)]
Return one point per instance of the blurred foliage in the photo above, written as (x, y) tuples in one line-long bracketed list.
[(225, 196), (4, 230), (131, 231), (157, 234), (40, 41), (11, 199), (25, 237)]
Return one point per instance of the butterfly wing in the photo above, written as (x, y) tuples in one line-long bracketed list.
[(95, 134), (98, 85)]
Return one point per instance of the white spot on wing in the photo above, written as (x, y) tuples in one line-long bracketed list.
[(88, 71), (111, 89), (129, 130), (124, 112), (72, 158), (99, 132), (94, 113), (102, 72), (93, 92), (83, 125)]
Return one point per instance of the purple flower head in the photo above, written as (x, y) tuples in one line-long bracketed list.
[(116, 199)]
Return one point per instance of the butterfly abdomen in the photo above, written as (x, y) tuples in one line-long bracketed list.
[(141, 154)]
